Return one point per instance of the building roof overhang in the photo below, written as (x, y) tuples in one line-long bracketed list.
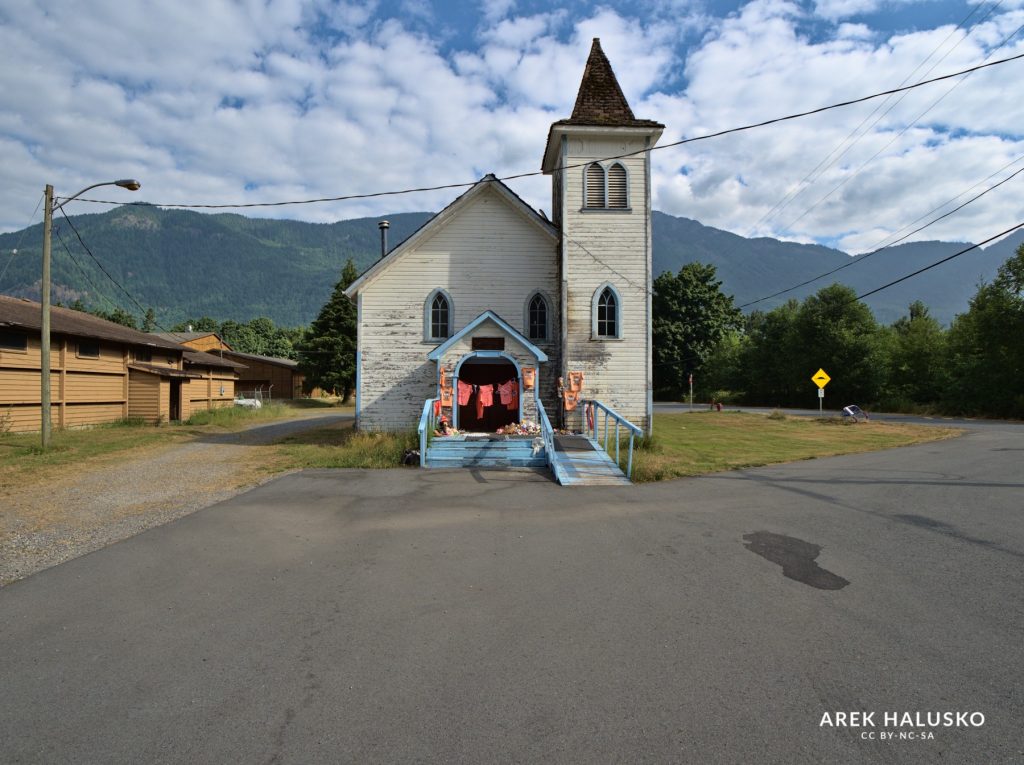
[(439, 351), (552, 150)]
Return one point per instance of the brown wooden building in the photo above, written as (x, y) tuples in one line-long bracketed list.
[(276, 378), (101, 371)]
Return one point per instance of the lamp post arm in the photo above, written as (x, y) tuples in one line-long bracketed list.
[(90, 188)]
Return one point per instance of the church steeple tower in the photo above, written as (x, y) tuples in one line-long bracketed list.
[(599, 161)]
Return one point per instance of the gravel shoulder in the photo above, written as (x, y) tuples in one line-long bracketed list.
[(84, 510)]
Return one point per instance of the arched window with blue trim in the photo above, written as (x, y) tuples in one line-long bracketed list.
[(537, 317), (607, 313), (437, 320)]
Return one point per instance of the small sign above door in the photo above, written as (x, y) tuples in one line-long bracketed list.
[(488, 344)]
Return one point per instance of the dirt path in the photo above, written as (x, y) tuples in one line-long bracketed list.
[(82, 511)]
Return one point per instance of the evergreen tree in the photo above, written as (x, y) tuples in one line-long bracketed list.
[(327, 356), (149, 321), (690, 318), (918, 372), (838, 333), (986, 353)]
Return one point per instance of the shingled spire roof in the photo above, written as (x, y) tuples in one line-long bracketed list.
[(600, 100)]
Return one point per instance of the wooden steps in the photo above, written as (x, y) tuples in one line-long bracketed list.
[(457, 451), (578, 460)]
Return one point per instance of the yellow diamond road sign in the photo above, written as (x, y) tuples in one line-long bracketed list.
[(820, 378)]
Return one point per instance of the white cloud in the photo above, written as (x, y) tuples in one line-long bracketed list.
[(253, 101), (844, 9)]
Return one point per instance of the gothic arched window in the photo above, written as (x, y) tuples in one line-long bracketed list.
[(537, 327), (607, 313), (438, 318)]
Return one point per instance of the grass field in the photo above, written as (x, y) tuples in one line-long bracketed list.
[(683, 444), (21, 456), (339, 446), (708, 442)]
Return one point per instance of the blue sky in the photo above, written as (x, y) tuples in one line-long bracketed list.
[(210, 101)]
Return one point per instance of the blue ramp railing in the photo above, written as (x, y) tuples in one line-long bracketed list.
[(426, 428), (547, 433), (594, 425)]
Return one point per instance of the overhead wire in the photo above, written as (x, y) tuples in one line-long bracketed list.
[(865, 256), (99, 294), (938, 262), (893, 140), (102, 268), (828, 161), (397, 192), (21, 238)]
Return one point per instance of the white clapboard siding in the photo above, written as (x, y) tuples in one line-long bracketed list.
[(608, 246), (488, 256)]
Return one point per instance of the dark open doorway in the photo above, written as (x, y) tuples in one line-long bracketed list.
[(487, 371), (175, 405)]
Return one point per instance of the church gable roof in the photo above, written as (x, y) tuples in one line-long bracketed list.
[(488, 183), (600, 100)]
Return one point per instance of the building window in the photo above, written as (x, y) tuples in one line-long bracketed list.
[(618, 196), (606, 313), (605, 189), (594, 193), (537, 317), (438, 317), (142, 354), (88, 349), (12, 340)]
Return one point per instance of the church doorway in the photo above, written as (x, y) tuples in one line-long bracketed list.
[(480, 372)]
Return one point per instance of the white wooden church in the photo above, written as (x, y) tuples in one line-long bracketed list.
[(490, 292)]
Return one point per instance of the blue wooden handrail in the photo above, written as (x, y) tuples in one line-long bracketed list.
[(611, 414), (426, 426), (547, 433)]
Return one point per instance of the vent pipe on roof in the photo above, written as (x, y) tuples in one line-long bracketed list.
[(383, 226)]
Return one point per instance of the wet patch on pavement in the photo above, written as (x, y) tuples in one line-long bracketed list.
[(796, 558)]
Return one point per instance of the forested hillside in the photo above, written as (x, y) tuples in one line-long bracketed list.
[(185, 264)]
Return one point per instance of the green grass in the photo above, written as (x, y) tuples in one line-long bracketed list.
[(339, 446), (708, 442), (237, 416), (21, 454), (22, 459)]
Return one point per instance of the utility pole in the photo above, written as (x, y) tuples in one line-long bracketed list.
[(45, 423), (44, 339)]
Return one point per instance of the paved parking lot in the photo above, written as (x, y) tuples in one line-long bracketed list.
[(417, 616)]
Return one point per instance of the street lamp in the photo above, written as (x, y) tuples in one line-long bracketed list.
[(48, 208)]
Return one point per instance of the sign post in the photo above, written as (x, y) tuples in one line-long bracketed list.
[(691, 391), (821, 379)]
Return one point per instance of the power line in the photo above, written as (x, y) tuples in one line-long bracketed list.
[(718, 134), (879, 243), (893, 140), (108, 275), (82, 270), (21, 238), (850, 141), (939, 262), (865, 256)]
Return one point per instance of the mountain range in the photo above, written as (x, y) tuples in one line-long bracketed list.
[(186, 264)]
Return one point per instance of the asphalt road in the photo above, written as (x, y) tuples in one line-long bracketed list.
[(458, 616)]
